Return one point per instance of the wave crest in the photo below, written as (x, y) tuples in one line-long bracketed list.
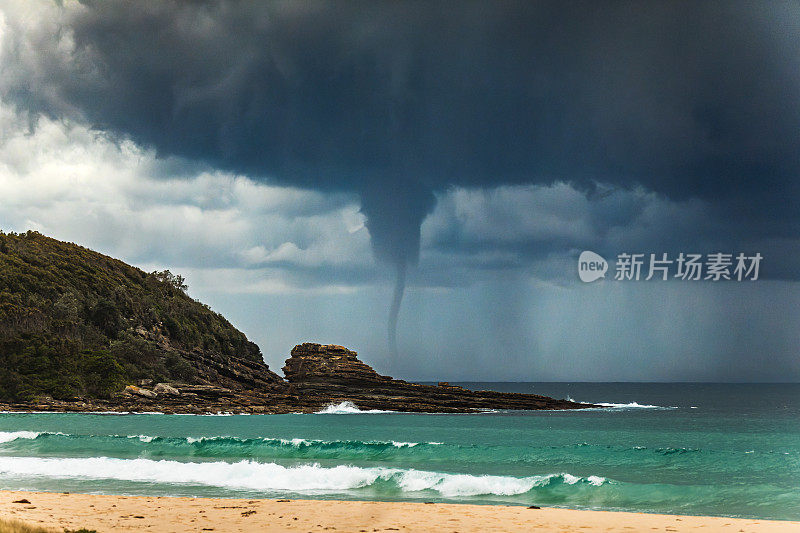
[(347, 408), (632, 405), (307, 478), (9, 436)]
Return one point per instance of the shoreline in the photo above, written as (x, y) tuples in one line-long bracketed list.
[(105, 513), (90, 410)]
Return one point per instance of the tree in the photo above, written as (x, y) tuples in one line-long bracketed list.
[(176, 280)]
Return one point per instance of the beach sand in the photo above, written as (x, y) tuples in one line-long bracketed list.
[(139, 513)]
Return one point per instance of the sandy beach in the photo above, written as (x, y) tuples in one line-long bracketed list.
[(163, 514)]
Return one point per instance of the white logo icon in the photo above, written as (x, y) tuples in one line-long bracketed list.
[(591, 266)]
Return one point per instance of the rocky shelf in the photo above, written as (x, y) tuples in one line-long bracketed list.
[(317, 376), (329, 374)]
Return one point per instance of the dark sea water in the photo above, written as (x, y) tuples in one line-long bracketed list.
[(713, 449)]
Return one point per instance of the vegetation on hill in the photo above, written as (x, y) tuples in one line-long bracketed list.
[(76, 323)]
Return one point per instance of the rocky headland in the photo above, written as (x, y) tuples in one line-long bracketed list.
[(81, 331), (317, 376)]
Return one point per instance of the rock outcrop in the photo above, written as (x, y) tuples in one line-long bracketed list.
[(317, 376), (322, 375)]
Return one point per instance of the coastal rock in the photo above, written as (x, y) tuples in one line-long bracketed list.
[(164, 388), (317, 376), (326, 374), (329, 363), (133, 389)]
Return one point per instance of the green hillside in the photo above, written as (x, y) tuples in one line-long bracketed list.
[(75, 323)]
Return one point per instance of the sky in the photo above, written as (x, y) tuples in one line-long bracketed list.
[(417, 180)]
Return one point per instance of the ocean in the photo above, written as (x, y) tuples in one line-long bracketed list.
[(699, 449)]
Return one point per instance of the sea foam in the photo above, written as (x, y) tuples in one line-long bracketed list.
[(347, 408), (225, 440), (307, 478), (9, 436), (632, 405)]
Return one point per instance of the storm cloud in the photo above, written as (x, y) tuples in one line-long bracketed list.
[(401, 102)]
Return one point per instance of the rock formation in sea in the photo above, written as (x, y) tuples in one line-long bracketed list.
[(325, 374)]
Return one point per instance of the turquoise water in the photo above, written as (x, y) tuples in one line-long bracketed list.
[(731, 450)]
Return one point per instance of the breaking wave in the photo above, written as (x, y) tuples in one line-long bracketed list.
[(9, 436), (348, 408), (26, 442), (268, 477), (632, 405)]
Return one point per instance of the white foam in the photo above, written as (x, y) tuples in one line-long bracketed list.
[(143, 438), (347, 408), (242, 474), (192, 440), (631, 405), (294, 442), (307, 478), (452, 485), (8, 436), (569, 479)]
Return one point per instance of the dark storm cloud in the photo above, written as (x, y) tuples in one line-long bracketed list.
[(396, 100)]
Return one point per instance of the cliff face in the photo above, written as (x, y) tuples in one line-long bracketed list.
[(328, 374), (76, 325)]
